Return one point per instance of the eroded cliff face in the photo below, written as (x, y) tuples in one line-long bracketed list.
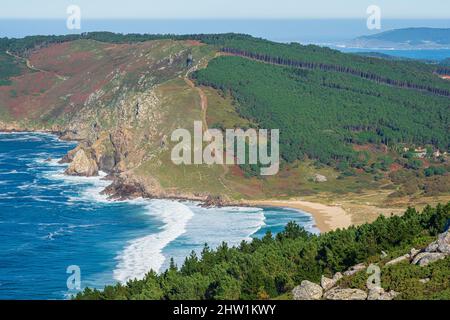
[(121, 102)]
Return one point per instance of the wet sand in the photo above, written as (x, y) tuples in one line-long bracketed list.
[(327, 218)]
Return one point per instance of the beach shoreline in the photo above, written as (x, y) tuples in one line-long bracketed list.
[(327, 218)]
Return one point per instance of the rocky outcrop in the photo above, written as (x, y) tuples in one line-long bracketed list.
[(444, 243), (328, 283), (122, 189), (105, 153), (355, 269), (378, 293), (403, 258), (320, 178), (68, 158), (83, 164), (345, 294), (435, 251), (425, 258), (330, 289), (307, 291), (215, 201), (413, 252)]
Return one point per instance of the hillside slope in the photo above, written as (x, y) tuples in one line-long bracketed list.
[(345, 117)]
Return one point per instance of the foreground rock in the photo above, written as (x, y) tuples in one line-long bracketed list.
[(345, 294), (82, 164), (441, 245), (215, 201), (307, 291), (405, 257), (425, 258), (328, 283), (355, 269), (413, 252), (444, 243), (329, 288), (378, 293), (320, 178)]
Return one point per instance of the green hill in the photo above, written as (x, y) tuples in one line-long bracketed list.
[(271, 267), (326, 100), (355, 119)]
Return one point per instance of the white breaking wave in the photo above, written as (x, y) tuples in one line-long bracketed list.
[(10, 172), (145, 254), (190, 225), (214, 226), (50, 162)]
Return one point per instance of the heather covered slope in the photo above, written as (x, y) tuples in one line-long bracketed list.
[(122, 101), (344, 117), (67, 79)]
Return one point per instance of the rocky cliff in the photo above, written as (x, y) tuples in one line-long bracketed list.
[(119, 101)]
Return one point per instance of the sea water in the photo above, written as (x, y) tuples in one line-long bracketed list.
[(50, 221)]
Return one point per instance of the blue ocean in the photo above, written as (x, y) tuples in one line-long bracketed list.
[(49, 221), (432, 55)]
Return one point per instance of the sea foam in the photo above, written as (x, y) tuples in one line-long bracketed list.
[(145, 254)]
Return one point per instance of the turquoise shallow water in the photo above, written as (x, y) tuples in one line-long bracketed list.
[(49, 221)]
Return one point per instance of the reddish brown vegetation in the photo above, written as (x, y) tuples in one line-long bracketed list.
[(63, 76)]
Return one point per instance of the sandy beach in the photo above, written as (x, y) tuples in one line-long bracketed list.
[(327, 218)]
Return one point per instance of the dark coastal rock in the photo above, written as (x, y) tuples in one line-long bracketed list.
[(124, 190), (69, 135), (68, 158), (214, 201), (413, 252), (107, 163)]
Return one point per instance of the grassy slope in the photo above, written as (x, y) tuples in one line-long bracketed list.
[(180, 105)]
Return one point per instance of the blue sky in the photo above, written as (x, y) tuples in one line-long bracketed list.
[(126, 9)]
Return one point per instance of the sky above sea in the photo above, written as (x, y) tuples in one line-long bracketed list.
[(219, 9), (326, 31)]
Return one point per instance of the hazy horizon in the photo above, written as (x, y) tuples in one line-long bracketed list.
[(215, 9), (282, 30)]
